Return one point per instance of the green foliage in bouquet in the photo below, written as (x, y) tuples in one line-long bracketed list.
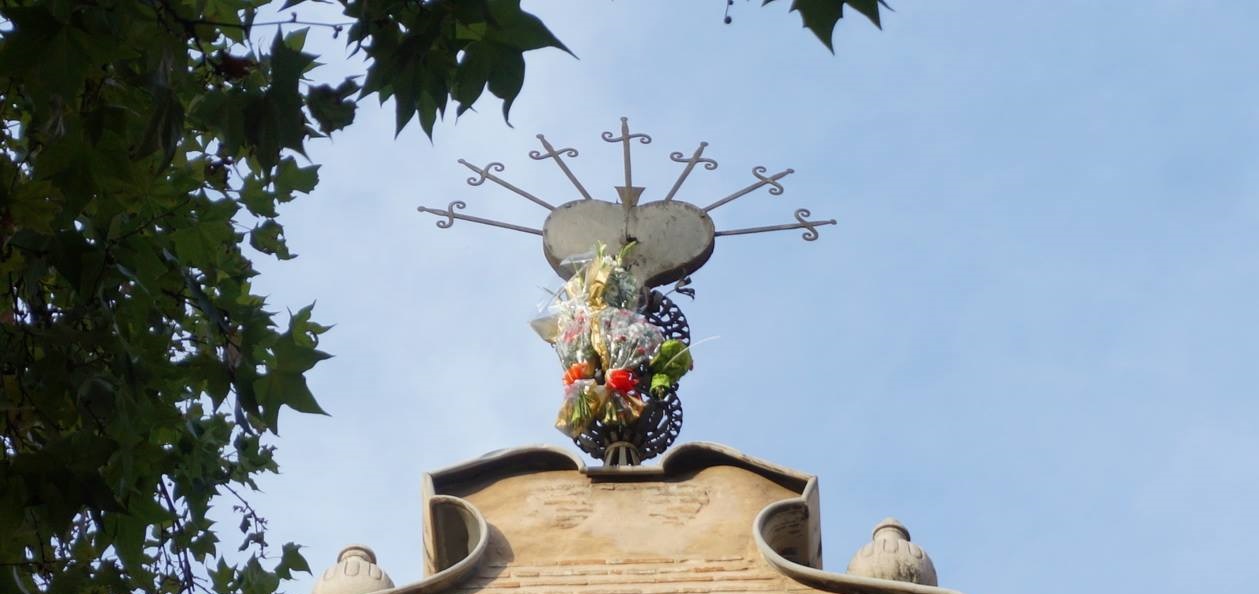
[(671, 362)]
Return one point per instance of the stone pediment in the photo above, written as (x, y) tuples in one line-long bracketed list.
[(536, 520)]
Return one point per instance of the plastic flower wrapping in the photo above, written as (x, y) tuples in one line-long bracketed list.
[(614, 359)]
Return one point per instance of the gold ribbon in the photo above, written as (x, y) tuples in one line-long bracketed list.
[(590, 287)]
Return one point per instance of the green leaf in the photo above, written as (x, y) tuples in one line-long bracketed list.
[(507, 76), (203, 546), (127, 538), (297, 39), (34, 206), (474, 31), (256, 580), (282, 388), (869, 8), (472, 74), (304, 331), (268, 238), (222, 576), (63, 60), (293, 358), (407, 81), (291, 560), (256, 198), (32, 33), (292, 178), (212, 375), (293, 354), (820, 17), (427, 109), (332, 108), (261, 130), (513, 27), (284, 101), (295, 349), (165, 129)]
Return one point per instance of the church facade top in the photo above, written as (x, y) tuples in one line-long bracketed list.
[(706, 520)]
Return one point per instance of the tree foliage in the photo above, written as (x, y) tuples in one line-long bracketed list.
[(821, 16), (144, 145)]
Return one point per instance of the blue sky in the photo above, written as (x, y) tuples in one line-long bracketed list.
[(1031, 337)]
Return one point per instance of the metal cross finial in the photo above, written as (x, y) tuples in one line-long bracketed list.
[(558, 155), (696, 158), (810, 234), (451, 215), (487, 173), (629, 193), (759, 172), (675, 237)]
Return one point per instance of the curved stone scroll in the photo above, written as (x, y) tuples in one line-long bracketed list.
[(460, 557), (777, 550)]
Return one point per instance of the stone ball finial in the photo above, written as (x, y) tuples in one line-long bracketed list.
[(891, 556), (355, 572)]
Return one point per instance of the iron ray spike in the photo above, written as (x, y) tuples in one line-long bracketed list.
[(558, 155), (450, 214), (696, 158), (486, 173), (761, 180)]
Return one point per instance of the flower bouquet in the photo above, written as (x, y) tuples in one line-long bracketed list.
[(615, 360)]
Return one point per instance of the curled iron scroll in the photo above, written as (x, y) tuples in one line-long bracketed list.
[(679, 157), (483, 172), (777, 188), (810, 227), (537, 155), (683, 287), (450, 213), (642, 138), (625, 134)]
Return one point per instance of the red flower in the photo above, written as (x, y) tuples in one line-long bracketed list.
[(621, 380)]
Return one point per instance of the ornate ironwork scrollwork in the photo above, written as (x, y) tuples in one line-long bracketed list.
[(655, 430), (661, 419), (678, 157), (811, 233), (776, 188), (450, 213), (482, 173), (666, 315)]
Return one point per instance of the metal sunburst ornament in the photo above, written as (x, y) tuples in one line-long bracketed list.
[(623, 343)]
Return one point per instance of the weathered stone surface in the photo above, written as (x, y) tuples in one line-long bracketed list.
[(563, 515), (707, 520), (355, 572), (891, 556), (673, 238)]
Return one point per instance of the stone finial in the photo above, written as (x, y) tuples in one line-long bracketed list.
[(356, 572), (891, 556)]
